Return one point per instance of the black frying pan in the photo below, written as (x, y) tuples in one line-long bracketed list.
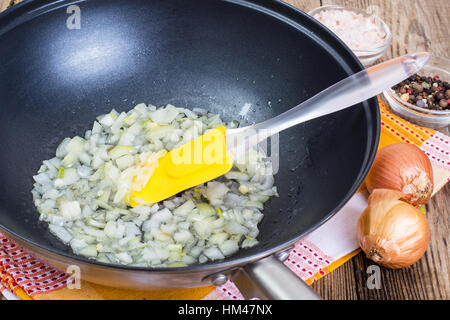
[(212, 54)]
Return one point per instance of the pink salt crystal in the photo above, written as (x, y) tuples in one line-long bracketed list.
[(357, 31)]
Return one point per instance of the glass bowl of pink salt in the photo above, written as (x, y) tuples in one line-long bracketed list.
[(365, 34)]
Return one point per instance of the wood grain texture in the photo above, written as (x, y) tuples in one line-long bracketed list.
[(416, 25), (304, 5), (4, 4)]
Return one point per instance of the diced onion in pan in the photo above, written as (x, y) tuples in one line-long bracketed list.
[(82, 193)]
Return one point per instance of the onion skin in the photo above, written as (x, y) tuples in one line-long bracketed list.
[(391, 232), (405, 168)]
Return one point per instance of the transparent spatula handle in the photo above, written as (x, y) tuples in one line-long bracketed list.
[(345, 93)]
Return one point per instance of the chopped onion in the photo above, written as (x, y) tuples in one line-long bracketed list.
[(89, 251), (229, 247), (124, 257), (184, 209), (216, 190), (213, 253), (164, 115), (182, 236), (60, 232), (70, 210), (125, 161), (82, 193)]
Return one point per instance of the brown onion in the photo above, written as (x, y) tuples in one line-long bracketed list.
[(405, 168), (391, 232)]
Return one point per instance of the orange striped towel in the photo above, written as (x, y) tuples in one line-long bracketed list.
[(316, 255)]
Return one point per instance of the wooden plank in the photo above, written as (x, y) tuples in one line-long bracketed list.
[(4, 4), (304, 5), (339, 284), (434, 21)]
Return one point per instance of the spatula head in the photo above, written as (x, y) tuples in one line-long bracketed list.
[(201, 160)]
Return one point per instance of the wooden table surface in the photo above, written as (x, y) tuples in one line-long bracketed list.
[(416, 25)]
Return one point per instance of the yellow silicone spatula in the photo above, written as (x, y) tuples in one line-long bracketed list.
[(203, 159), (211, 155)]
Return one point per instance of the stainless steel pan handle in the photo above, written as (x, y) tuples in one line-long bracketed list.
[(270, 279)]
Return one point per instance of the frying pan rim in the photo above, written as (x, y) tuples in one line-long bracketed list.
[(29, 6)]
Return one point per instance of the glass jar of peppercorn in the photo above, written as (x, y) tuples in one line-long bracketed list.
[(424, 98), (425, 92)]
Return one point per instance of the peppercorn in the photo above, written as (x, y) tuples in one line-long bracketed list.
[(417, 87), (440, 95), (425, 92), (420, 104), (404, 97)]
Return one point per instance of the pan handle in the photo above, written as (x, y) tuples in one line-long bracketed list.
[(270, 279)]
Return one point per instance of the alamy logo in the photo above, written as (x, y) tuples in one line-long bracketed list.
[(74, 20), (374, 279), (74, 281)]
